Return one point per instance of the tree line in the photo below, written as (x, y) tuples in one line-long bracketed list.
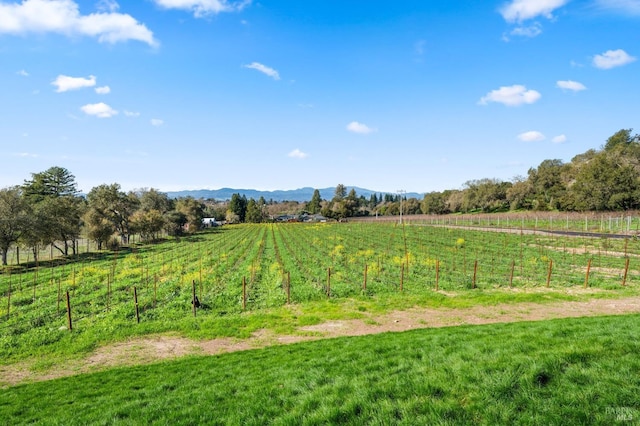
[(607, 179), (48, 209)]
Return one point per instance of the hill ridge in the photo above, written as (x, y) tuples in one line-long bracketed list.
[(299, 195)]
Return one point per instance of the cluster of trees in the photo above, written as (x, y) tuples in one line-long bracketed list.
[(239, 210), (48, 210), (343, 205), (607, 179)]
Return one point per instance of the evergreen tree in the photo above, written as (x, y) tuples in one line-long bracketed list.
[(373, 201), (314, 205), (53, 182), (238, 206), (254, 212), (57, 208), (340, 193)]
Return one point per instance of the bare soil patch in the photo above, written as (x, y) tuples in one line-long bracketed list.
[(157, 348)]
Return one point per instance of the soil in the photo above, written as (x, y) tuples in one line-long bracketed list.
[(162, 347)]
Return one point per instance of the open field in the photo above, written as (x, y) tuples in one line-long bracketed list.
[(355, 267), (594, 222), (266, 285)]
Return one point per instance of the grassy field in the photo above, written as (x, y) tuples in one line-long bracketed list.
[(574, 371), (327, 271)]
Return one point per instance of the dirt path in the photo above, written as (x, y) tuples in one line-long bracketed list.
[(155, 348)]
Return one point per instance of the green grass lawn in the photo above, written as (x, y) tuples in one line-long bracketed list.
[(571, 371)]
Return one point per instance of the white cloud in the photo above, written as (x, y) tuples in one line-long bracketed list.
[(107, 6), (25, 155), (531, 31), (63, 17), (201, 8), (631, 7), (65, 83), (531, 136), (511, 96), (296, 153), (103, 90), (523, 10), (156, 122), (570, 85), (359, 128), (131, 113), (264, 69), (559, 139), (100, 110), (23, 73), (419, 47), (612, 59)]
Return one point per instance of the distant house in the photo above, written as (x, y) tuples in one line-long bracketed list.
[(301, 218), (287, 218), (210, 222), (313, 218)]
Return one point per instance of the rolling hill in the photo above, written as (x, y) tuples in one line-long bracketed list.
[(300, 195)]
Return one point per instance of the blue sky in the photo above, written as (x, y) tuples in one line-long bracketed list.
[(418, 95)]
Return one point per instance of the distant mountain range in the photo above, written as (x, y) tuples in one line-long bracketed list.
[(300, 195)]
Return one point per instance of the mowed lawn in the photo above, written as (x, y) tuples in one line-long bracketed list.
[(562, 372)]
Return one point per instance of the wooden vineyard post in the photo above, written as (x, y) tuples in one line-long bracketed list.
[(549, 272), (513, 267), (288, 288), (244, 293), (155, 289), (328, 282), (402, 277), (626, 246), (364, 284), (437, 273), (69, 323), (193, 299), (624, 279), (586, 277), (475, 272), (135, 301)]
